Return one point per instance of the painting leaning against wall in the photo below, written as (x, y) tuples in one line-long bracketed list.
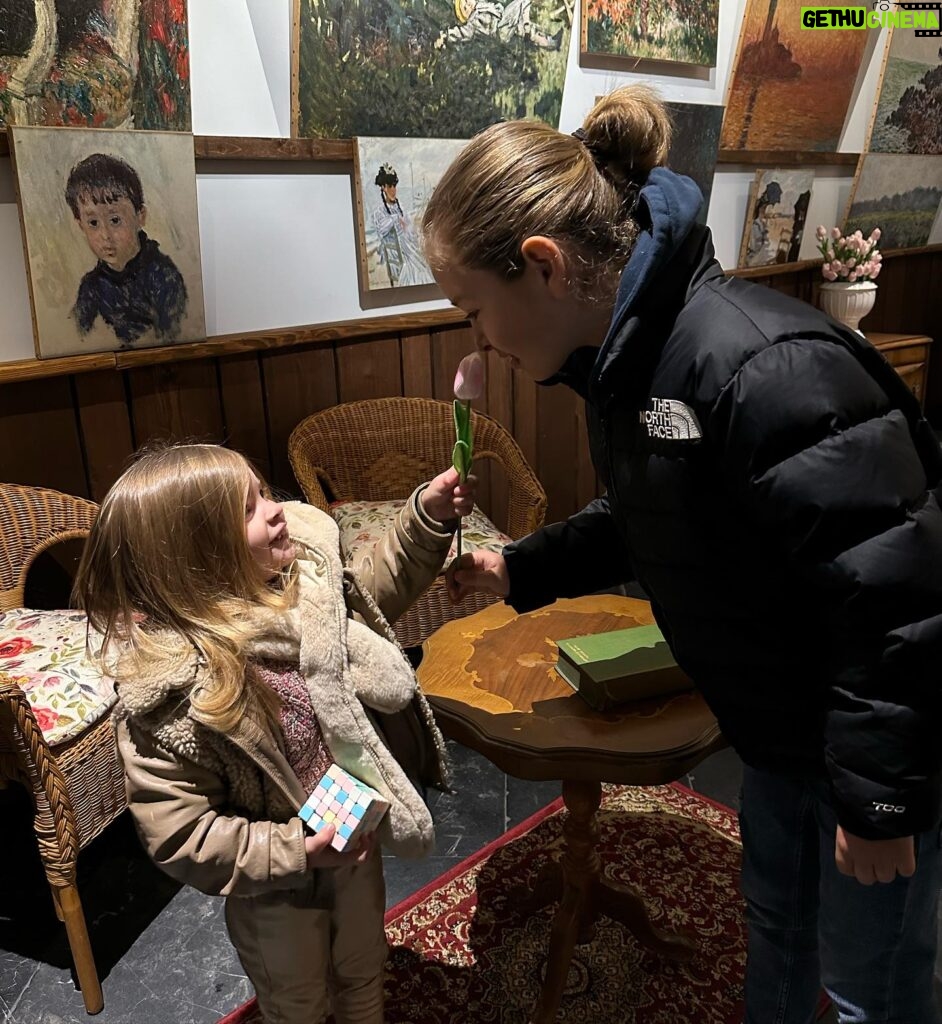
[(394, 180), (694, 143), (790, 88), (901, 194), (111, 237), (682, 31), (775, 216), (95, 63), (426, 68)]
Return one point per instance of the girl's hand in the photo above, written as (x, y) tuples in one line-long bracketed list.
[(320, 854), (477, 570), (446, 498), (874, 860)]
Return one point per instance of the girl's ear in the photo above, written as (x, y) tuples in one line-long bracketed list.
[(546, 257)]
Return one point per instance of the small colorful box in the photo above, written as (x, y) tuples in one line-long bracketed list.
[(352, 807)]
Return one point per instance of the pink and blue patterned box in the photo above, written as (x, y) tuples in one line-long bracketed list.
[(352, 807)]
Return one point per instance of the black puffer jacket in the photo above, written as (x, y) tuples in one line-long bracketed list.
[(773, 487)]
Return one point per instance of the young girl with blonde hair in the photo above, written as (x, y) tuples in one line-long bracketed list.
[(246, 658), (772, 486)]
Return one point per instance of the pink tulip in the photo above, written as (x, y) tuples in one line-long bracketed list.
[(851, 263), (829, 274), (875, 235), (821, 232), (852, 276), (835, 233), (876, 271), (469, 380)]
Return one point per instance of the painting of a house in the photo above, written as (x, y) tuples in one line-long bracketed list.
[(394, 179), (95, 63), (417, 68), (694, 144), (775, 216), (111, 236), (908, 114), (898, 193), (790, 88), (681, 31)]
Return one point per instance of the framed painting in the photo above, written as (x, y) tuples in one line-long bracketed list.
[(394, 179), (790, 88), (775, 217), (898, 193), (680, 31), (95, 63), (694, 145), (907, 117), (413, 68), (111, 238)]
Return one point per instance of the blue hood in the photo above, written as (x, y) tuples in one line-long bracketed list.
[(667, 211)]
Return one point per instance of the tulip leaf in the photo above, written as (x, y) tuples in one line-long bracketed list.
[(464, 446), (461, 459)]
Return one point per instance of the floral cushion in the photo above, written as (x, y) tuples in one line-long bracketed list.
[(44, 654), (364, 522)]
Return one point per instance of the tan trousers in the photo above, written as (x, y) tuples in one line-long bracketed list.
[(302, 959)]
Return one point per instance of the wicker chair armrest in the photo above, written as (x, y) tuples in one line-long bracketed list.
[(526, 506), (31, 520), (39, 769), (316, 483)]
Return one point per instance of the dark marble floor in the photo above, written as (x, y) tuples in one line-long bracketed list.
[(162, 950)]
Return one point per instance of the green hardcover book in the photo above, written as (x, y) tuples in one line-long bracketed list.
[(623, 665)]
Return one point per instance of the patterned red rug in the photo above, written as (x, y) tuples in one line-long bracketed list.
[(462, 953)]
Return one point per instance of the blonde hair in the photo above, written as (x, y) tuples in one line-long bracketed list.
[(523, 178), (169, 552)]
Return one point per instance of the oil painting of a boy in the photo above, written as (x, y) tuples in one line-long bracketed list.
[(134, 286), (111, 238)]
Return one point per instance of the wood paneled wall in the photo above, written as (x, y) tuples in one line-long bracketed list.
[(75, 433)]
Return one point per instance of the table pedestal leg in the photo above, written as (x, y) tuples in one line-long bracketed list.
[(578, 884)]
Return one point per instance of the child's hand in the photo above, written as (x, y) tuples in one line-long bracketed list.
[(477, 570), (445, 498), (320, 854), (874, 860)]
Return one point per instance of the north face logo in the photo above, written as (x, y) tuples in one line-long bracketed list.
[(670, 420)]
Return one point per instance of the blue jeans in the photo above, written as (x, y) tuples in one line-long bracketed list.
[(872, 947)]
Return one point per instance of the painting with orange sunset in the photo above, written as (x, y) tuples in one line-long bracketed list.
[(790, 87)]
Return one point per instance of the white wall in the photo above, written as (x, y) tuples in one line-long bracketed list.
[(278, 244)]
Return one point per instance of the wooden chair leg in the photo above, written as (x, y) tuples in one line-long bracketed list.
[(69, 908)]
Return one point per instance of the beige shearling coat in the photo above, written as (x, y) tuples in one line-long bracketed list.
[(218, 811)]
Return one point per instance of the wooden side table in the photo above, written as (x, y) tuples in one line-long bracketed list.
[(908, 354), (492, 682)]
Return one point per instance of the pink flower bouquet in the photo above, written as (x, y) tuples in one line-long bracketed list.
[(849, 258)]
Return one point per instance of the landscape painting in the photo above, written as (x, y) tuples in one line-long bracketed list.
[(426, 69), (899, 194), (682, 31), (394, 180), (775, 217), (95, 64), (908, 115), (790, 88), (694, 144), (111, 237)]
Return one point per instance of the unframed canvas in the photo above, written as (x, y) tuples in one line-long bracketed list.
[(901, 194), (680, 31), (790, 88), (424, 69), (111, 238), (775, 217), (95, 64), (907, 116), (394, 180)]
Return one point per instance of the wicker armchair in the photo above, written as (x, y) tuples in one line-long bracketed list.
[(382, 449), (77, 787)]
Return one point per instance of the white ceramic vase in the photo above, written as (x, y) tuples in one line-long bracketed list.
[(849, 302)]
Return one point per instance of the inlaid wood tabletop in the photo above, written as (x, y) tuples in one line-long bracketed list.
[(492, 681)]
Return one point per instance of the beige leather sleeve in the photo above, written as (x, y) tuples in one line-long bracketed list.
[(179, 811), (405, 561)]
